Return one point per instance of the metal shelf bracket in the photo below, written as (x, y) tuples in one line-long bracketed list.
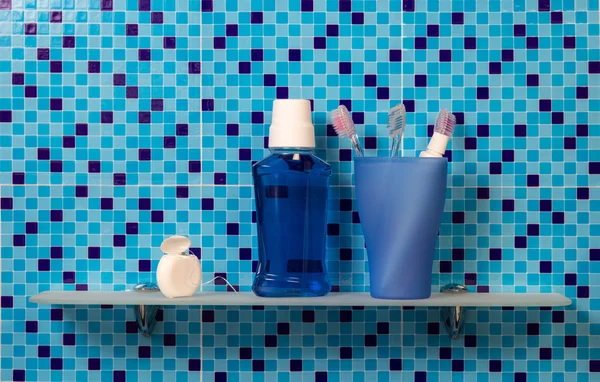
[(453, 316), (145, 315)]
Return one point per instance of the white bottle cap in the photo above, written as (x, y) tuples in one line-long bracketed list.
[(291, 124), (176, 245)]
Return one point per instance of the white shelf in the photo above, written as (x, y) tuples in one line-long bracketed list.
[(333, 299), (146, 304)]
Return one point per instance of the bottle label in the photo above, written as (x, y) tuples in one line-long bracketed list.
[(304, 266), (277, 192)]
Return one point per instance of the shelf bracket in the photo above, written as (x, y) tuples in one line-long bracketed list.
[(145, 315), (453, 316)]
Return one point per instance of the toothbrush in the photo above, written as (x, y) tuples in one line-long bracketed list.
[(344, 127), (396, 125), (444, 127)]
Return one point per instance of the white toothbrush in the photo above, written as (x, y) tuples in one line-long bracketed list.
[(344, 127), (444, 128), (396, 125)]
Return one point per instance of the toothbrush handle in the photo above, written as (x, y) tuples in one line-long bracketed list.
[(356, 145), (396, 146)]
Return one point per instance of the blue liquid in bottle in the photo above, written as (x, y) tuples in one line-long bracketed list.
[(291, 187)]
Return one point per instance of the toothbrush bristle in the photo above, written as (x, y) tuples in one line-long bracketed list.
[(342, 122), (445, 123), (397, 120)]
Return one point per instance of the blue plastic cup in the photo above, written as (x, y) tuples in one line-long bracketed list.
[(400, 203)]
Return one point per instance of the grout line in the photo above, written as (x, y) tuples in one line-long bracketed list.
[(402, 152), (202, 351), (251, 185), (0, 279)]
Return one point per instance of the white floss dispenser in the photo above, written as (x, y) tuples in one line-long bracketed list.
[(178, 274)]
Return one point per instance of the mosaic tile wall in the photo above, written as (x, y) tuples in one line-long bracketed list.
[(122, 122)]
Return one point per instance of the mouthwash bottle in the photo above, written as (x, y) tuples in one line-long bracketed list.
[(291, 187)]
